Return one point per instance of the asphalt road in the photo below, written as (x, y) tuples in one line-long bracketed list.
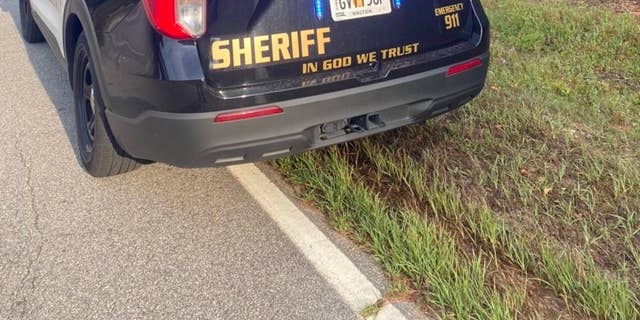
[(160, 242)]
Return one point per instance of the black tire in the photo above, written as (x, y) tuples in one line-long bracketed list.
[(28, 27), (99, 155)]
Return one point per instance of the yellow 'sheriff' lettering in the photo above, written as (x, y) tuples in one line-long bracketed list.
[(269, 48)]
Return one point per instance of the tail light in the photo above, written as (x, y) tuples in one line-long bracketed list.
[(458, 68), (178, 19), (248, 114)]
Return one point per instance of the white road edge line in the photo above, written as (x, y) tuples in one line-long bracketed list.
[(334, 266)]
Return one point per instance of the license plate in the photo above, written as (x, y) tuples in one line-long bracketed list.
[(354, 9)]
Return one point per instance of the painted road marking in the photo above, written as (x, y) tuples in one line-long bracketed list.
[(334, 266)]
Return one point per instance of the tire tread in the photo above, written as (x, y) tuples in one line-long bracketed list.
[(105, 159), (29, 29)]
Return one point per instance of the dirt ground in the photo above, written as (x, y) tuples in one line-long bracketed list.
[(630, 6)]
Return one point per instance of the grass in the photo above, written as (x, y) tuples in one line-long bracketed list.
[(372, 310), (401, 240), (523, 204)]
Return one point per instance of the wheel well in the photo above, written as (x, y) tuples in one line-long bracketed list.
[(72, 31)]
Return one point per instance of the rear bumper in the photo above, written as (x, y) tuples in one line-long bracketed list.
[(194, 140)]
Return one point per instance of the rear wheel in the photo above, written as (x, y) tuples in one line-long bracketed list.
[(28, 27), (99, 156)]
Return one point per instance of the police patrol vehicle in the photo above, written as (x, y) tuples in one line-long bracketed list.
[(198, 83)]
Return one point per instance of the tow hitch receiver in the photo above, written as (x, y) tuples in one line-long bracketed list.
[(357, 124)]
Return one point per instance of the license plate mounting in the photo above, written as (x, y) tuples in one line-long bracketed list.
[(354, 9)]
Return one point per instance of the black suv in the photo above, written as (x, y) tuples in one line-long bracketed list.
[(198, 83)]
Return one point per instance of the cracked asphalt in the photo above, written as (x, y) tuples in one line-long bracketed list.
[(160, 243)]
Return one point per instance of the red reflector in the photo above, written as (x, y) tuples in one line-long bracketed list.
[(247, 114), (464, 67)]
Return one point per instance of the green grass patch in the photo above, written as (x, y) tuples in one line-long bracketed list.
[(402, 241)]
